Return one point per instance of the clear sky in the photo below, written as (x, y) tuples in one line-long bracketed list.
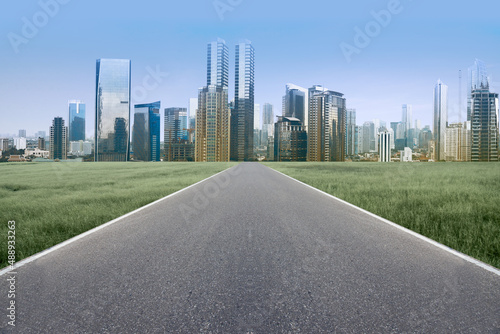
[(295, 42)]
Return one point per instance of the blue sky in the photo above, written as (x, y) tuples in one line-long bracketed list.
[(295, 42)]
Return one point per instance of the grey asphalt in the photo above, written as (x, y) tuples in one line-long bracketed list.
[(252, 251)]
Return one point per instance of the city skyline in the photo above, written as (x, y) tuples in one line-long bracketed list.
[(403, 58)]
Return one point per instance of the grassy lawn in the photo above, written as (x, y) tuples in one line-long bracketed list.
[(456, 204), (52, 202)]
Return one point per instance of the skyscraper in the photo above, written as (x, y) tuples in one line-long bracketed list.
[(146, 132), (478, 79), (256, 117), (484, 125), (327, 124), (267, 123), (218, 63), (351, 148), (242, 117), (22, 133), (58, 139), (407, 120), (290, 141), (295, 103), (176, 137), (440, 119), (384, 146), (112, 121), (76, 120), (212, 142)]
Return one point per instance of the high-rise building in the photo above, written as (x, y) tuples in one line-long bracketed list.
[(212, 143), (478, 79), (4, 144), (242, 116), (22, 133), (76, 120), (384, 146), (367, 134), (484, 125), (218, 63), (58, 139), (267, 123), (290, 141), (193, 106), (176, 137), (440, 119), (425, 137), (351, 148), (327, 125), (407, 119), (295, 103), (112, 121), (41, 143), (20, 143), (360, 139), (457, 141), (146, 132), (256, 117)]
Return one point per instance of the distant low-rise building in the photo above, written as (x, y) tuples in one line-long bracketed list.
[(37, 153), (80, 148), (406, 155)]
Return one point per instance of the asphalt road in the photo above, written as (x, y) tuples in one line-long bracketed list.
[(252, 251)]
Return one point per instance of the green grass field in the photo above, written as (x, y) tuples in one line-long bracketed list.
[(52, 202), (456, 204)]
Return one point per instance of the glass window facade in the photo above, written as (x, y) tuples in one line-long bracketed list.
[(112, 124), (146, 132)]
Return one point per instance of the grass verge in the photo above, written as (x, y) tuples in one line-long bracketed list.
[(52, 202), (456, 204)]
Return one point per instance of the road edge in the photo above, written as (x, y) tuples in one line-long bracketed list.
[(463, 256)]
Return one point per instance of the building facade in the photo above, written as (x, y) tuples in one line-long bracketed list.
[(267, 123), (327, 125), (384, 146), (457, 142), (351, 133), (484, 125), (76, 118), (112, 121), (440, 119), (146, 132), (242, 117), (176, 135), (290, 141), (58, 139)]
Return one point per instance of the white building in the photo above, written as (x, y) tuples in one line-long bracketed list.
[(20, 143), (80, 148), (406, 155), (37, 153), (457, 142), (384, 146)]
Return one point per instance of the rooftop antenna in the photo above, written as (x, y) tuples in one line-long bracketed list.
[(460, 96)]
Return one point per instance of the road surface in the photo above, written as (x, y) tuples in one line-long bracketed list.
[(252, 251)]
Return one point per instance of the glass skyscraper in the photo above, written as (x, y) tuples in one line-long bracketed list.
[(176, 137), (440, 119), (112, 121), (484, 125), (218, 64), (58, 139), (146, 132), (242, 116), (76, 120), (478, 79)]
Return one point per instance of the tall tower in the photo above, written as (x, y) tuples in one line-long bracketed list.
[(351, 132), (58, 139), (295, 103), (112, 120), (218, 63), (440, 119), (76, 120), (242, 117), (484, 122), (478, 78), (146, 132), (267, 123), (407, 119), (384, 146), (176, 137), (327, 124)]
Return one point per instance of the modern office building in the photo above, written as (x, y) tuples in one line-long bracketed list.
[(440, 119), (295, 103), (76, 118), (425, 136), (406, 155), (407, 119), (327, 125), (80, 148), (351, 130), (176, 136), (478, 79), (58, 139), (256, 117), (242, 116), (457, 141), (484, 125), (218, 64), (146, 132), (267, 123), (384, 146), (4, 144), (41, 143), (290, 140), (112, 120), (212, 143), (22, 133), (20, 143)]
